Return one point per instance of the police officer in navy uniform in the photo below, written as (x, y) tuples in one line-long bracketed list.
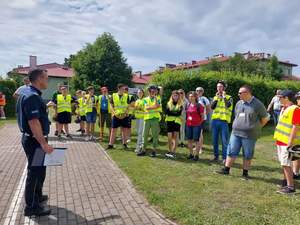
[(34, 125)]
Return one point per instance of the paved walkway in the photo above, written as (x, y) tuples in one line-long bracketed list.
[(88, 189)]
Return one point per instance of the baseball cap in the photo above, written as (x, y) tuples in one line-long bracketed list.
[(287, 93)]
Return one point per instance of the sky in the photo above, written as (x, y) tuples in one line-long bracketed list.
[(151, 33)]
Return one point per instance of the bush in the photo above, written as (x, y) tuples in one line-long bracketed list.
[(8, 87), (263, 88)]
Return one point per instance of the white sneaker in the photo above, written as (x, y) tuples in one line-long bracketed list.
[(128, 141), (87, 138), (91, 138)]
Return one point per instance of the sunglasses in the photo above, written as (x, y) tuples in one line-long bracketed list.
[(242, 92)]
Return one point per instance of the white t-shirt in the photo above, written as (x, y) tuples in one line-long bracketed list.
[(205, 102), (276, 103)]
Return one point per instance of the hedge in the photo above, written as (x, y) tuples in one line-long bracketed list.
[(8, 87), (263, 88)]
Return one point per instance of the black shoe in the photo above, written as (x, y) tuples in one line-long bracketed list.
[(40, 211), (79, 130), (56, 133), (297, 177), (63, 132), (141, 153), (196, 158), (153, 154), (69, 136), (245, 177), (190, 156), (110, 147), (215, 160), (43, 198), (125, 146), (223, 172)]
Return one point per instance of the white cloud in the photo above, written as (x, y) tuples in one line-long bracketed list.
[(150, 33)]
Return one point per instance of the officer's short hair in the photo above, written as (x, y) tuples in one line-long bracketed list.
[(34, 74), (121, 85), (26, 78), (247, 87)]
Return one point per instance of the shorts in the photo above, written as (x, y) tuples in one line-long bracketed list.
[(237, 142), (173, 127), (82, 118), (64, 117), (91, 117), (105, 117), (283, 156), (193, 132), (116, 122)]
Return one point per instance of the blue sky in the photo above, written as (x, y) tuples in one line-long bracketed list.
[(150, 33)]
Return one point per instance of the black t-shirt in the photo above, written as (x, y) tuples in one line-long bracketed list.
[(31, 106)]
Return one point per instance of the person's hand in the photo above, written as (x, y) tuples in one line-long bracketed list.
[(224, 94), (47, 148)]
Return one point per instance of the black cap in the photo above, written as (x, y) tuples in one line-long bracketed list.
[(287, 93)]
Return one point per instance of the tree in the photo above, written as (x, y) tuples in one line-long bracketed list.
[(101, 64), (273, 69), (68, 61), (213, 65)]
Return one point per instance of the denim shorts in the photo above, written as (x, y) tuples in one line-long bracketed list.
[(91, 117), (193, 132), (235, 145)]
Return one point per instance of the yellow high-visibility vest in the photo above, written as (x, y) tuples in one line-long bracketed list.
[(176, 119), (138, 112), (108, 97), (89, 103), (152, 113), (285, 125), (130, 109), (221, 112), (63, 103), (81, 106), (120, 104)]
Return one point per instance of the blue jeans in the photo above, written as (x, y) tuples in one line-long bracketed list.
[(276, 114), (220, 127), (236, 143)]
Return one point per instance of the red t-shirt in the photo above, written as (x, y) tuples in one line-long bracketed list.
[(194, 116), (295, 121)]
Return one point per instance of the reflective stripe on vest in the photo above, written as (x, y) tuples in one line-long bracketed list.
[(285, 125), (89, 103), (108, 97), (138, 113), (64, 103), (221, 112), (120, 104), (152, 113), (176, 119), (81, 107)]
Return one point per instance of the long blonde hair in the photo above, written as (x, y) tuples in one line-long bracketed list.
[(179, 101)]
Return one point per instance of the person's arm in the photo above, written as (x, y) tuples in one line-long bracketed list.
[(36, 129), (214, 104), (270, 106), (228, 102), (207, 106), (156, 106), (263, 114)]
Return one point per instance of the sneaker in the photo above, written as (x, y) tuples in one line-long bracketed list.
[(125, 146), (286, 190), (59, 136), (200, 151), (153, 154), (181, 145), (91, 138), (190, 156), (297, 177), (56, 133), (222, 172), (141, 153), (128, 141), (168, 154), (87, 138), (109, 147), (196, 158), (69, 136), (3, 118), (39, 211)]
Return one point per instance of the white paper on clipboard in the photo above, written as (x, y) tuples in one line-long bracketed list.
[(56, 158)]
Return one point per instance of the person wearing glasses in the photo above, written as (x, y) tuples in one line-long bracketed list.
[(207, 109), (250, 116), (185, 102), (222, 106)]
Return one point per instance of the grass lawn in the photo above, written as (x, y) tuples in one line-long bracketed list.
[(192, 193), (8, 120)]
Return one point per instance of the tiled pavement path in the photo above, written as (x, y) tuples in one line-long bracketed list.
[(88, 189)]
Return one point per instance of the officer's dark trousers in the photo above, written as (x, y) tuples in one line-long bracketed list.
[(35, 174)]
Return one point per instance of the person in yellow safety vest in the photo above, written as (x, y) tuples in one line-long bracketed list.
[(91, 102), (296, 163), (174, 121), (64, 109), (119, 107), (152, 117), (104, 110), (139, 120), (80, 111), (287, 134), (130, 114), (222, 106)]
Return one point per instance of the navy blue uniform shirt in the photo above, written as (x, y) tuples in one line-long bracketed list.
[(30, 106)]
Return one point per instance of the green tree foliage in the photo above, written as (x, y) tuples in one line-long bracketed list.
[(8, 87), (68, 61), (101, 64), (239, 65), (263, 88)]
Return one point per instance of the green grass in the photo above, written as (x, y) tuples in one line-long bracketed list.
[(192, 193), (8, 120)]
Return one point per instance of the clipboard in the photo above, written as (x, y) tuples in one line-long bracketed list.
[(56, 158)]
